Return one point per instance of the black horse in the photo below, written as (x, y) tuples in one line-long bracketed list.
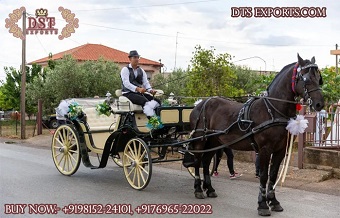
[(256, 125)]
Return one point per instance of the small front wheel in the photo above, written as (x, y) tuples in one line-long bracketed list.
[(66, 150), (137, 163)]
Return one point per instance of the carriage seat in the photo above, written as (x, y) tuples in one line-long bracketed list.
[(99, 123), (124, 104)]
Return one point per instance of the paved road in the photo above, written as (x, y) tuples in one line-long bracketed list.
[(28, 176)]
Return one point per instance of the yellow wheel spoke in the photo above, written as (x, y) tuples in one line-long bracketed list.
[(142, 156), (145, 170), (128, 156), (145, 162), (138, 176), (62, 157), (141, 175), (59, 141), (135, 149), (64, 162), (72, 157), (131, 151), (73, 152), (72, 165), (133, 169), (63, 136), (57, 155), (56, 147), (134, 176), (60, 136), (68, 162), (139, 150)]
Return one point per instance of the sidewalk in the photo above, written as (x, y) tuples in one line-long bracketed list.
[(317, 180)]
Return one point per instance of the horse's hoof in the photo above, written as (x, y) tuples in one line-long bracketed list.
[(263, 212), (212, 194), (199, 195), (276, 207)]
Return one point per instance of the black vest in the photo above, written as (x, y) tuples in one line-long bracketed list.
[(137, 81)]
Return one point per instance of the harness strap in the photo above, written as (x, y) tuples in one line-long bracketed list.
[(275, 109), (261, 127), (202, 111)]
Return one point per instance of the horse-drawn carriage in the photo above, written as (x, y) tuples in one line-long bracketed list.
[(260, 124), (122, 136)]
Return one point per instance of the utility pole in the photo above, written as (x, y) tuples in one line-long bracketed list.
[(23, 79), (336, 61), (176, 51), (336, 52)]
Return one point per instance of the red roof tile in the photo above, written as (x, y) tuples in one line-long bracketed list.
[(89, 52)]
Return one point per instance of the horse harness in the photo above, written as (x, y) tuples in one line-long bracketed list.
[(244, 124)]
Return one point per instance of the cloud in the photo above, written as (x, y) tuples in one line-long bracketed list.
[(275, 40), (123, 25)]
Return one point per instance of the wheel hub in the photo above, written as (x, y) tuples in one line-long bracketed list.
[(64, 149)]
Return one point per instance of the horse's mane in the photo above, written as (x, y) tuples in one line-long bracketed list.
[(276, 79)]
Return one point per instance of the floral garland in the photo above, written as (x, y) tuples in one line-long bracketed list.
[(74, 111), (154, 123), (103, 108)]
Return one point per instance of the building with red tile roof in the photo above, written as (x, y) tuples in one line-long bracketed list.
[(92, 52)]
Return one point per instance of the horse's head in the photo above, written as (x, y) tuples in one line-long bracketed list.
[(307, 82)]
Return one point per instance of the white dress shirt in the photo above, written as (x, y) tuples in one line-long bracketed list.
[(125, 75)]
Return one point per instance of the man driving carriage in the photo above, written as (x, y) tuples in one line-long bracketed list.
[(135, 84)]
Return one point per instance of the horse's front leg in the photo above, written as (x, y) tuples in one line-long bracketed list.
[(198, 189), (263, 208), (276, 161), (206, 173)]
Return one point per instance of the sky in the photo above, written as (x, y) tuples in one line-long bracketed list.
[(170, 30)]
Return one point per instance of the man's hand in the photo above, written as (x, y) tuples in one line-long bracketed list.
[(140, 90), (152, 92)]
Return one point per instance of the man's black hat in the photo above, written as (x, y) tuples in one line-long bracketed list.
[(133, 53)]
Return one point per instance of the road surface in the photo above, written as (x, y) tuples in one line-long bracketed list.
[(29, 182)]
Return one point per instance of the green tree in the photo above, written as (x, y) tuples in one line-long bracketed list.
[(70, 79), (248, 81), (10, 90), (173, 83), (331, 85), (177, 82), (211, 74)]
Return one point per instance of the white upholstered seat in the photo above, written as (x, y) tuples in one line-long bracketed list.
[(124, 104), (101, 122)]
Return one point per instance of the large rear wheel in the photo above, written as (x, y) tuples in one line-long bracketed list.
[(137, 163), (66, 150)]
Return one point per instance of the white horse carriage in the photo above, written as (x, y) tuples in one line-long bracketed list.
[(123, 136)]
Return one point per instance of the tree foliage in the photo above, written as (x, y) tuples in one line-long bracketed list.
[(174, 83), (10, 91), (250, 82), (331, 85), (69, 79), (211, 74)]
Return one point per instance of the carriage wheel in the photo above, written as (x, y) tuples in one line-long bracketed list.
[(118, 159), (211, 168), (66, 150), (138, 165)]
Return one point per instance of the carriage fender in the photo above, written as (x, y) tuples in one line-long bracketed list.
[(119, 140)]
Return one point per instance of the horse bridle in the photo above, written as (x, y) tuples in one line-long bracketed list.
[(297, 75)]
